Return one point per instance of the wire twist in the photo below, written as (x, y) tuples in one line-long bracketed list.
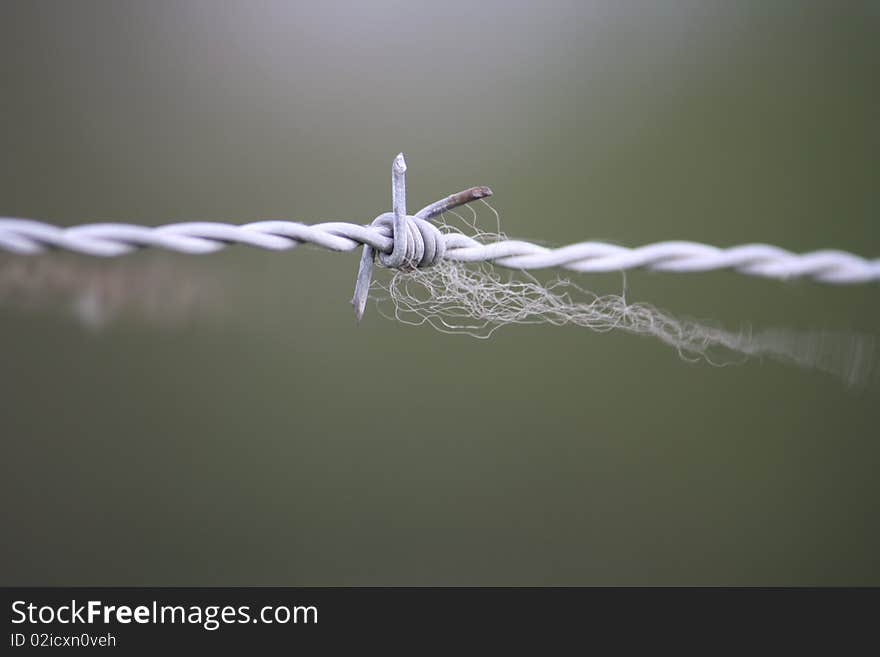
[(408, 242)]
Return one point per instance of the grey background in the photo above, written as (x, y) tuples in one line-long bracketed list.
[(250, 440)]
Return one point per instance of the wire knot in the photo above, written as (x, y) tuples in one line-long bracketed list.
[(420, 244), (417, 243)]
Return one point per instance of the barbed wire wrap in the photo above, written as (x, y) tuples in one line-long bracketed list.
[(25, 236), (407, 242)]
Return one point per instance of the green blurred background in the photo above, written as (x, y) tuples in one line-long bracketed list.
[(251, 440)]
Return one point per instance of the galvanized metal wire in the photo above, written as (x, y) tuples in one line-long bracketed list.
[(24, 236), (405, 242)]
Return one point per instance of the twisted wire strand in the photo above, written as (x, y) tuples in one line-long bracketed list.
[(25, 236)]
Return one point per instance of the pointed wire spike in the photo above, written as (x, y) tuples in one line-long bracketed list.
[(362, 285), (398, 207), (453, 201), (400, 163)]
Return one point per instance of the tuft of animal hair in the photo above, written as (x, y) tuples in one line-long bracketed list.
[(477, 300)]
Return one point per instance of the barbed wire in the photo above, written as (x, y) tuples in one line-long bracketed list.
[(25, 236), (407, 242)]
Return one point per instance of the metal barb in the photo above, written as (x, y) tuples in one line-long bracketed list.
[(453, 201), (398, 206), (401, 235)]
